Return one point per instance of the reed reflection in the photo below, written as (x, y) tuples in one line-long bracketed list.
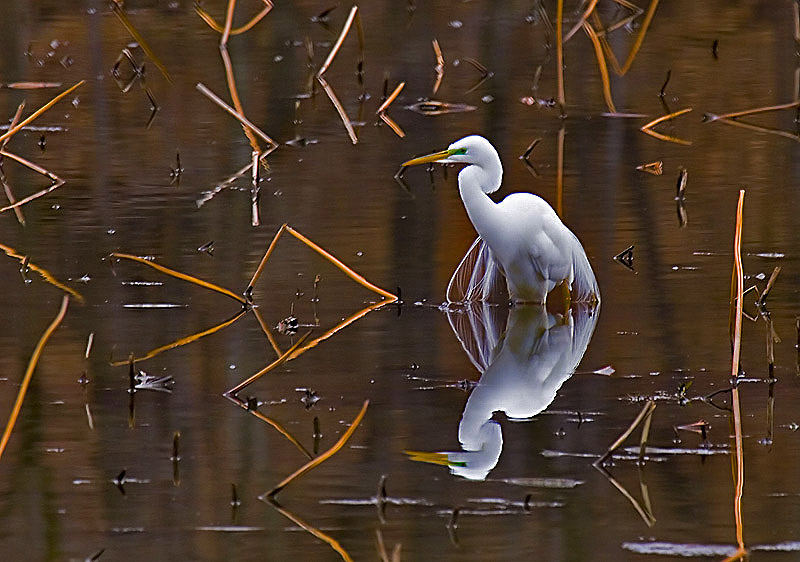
[(522, 370)]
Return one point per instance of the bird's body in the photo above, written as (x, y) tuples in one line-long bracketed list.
[(526, 239)]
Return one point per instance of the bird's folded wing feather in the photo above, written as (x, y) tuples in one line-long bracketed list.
[(478, 277)]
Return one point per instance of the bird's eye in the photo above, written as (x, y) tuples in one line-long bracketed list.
[(460, 151)]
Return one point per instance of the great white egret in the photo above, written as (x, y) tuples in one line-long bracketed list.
[(521, 237)]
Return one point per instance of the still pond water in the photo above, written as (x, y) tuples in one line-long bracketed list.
[(530, 492)]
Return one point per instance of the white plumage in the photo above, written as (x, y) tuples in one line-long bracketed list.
[(521, 238)]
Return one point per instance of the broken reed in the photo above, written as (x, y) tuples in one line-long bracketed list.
[(736, 406), (37, 352)]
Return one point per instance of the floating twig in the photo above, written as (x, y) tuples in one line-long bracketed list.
[(320, 459), (656, 168), (37, 352), (57, 181)]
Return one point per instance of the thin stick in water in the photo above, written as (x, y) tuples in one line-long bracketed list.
[(37, 352), (322, 458)]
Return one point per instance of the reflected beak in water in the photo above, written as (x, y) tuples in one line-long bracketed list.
[(432, 458), (435, 157)]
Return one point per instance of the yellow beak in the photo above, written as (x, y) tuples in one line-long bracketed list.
[(436, 156)]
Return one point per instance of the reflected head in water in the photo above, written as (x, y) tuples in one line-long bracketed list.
[(520, 238), (522, 371)]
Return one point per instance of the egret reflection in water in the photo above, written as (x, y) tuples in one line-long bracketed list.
[(521, 372)]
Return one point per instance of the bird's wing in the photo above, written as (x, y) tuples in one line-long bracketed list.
[(584, 283), (478, 277)]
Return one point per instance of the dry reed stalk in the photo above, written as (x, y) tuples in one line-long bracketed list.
[(581, 21), (796, 18), (656, 168), (339, 109), (241, 118), (46, 275), (711, 117), (37, 352), (338, 45), (182, 276), (57, 181), (13, 130), (560, 55), (322, 458), (226, 61), (14, 121), (119, 11), (182, 341), (267, 331), (7, 188), (324, 253), (381, 112), (601, 64), (646, 413), (735, 404), (330, 541), (648, 18), (280, 360), (234, 30), (340, 326), (648, 128), (255, 219), (439, 68), (393, 96), (324, 83)]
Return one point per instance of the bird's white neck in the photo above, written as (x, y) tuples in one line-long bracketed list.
[(474, 184)]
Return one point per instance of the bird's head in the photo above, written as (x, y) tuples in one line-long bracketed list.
[(474, 150)]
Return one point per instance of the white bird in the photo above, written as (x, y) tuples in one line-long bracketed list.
[(521, 237)]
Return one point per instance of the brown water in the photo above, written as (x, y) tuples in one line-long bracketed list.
[(662, 326)]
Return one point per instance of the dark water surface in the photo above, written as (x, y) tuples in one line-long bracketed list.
[(533, 494)]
